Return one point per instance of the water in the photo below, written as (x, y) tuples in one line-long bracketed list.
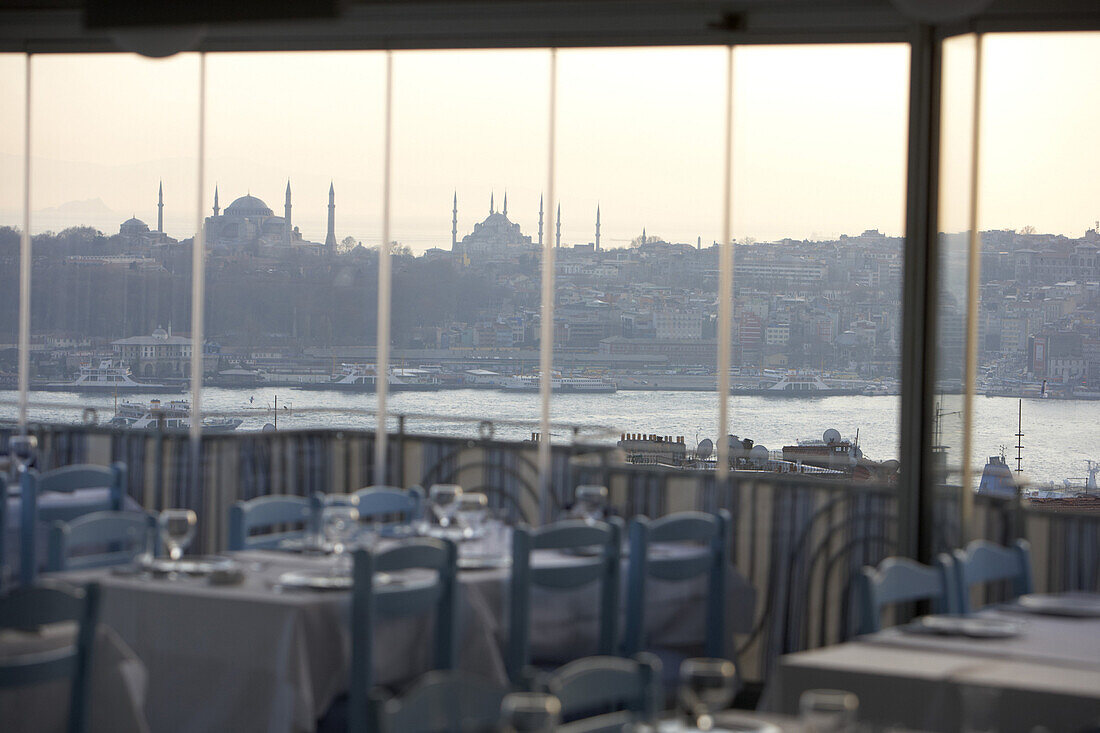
[(1060, 435)]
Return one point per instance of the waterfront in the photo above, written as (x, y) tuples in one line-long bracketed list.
[(1060, 435)]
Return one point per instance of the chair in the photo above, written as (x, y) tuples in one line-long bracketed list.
[(124, 535), (571, 535), (712, 530), (3, 531), (984, 562), (368, 602), (900, 580), (62, 480), (601, 694), (389, 501), (31, 607), (440, 702), (265, 512)]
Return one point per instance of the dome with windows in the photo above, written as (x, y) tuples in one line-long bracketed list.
[(133, 226), (248, 206)]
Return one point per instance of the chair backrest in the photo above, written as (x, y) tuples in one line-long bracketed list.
[(389, 501), (599, 690), (265, 512), (603, 540), (440, 702), (121, 536), (65, 480), (369, 601), (900, 580), (985, 562), (710, 530), (31, 607), (4, 570)]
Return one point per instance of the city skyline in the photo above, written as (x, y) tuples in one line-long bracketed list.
[(819, 138)]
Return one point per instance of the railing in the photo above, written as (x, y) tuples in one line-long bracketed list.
[(798, 539)]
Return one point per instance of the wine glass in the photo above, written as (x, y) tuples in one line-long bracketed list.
[(706, 686), (530, 712), (341, 523), (591, 502), (177, 529), (444, 499), (828, 711), (22, 449), (471, 511)]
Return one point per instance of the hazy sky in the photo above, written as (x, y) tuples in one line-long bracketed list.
[(820, 135)]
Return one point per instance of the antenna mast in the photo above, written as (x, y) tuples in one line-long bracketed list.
[(1020, 440)]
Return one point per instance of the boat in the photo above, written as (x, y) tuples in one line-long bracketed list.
[(796, 384), (560, 385), (173, 415), (363, 378), (109, 377)]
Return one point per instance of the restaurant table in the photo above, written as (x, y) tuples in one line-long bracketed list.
[(1047, 676), (118, 680), (250, 657)]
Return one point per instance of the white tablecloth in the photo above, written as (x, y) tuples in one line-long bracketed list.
[(117, 685), (937, 683), (252, 658)]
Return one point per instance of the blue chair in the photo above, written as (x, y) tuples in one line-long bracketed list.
[(3, 531), (124, 536), (63, 480), (985, 562), (901, 580), (710, 530), (31, 607), (607, 693), (575, 536), (265, 512), (388, 502), (440, 702), (368, 602)]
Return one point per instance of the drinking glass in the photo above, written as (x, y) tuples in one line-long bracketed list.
[(471, 511), (591, 502), (706, 686), (22, 449), (341, 523), (444, 500), (828, 711), (530, 712), (177, 529)]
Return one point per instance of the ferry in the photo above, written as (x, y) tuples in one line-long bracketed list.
[(108, 377), (560, 385), (793, 384), (363, 378), (176, 415)]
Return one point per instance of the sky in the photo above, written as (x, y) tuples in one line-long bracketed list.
[(819, 139)]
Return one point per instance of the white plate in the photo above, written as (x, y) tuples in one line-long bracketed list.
[(484, 562), (329, 581), (190, 565), (723, 723), (975, 627), (1076, 605), (454, 534)]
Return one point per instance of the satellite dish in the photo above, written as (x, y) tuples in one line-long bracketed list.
[(890, 466), (759, 455), (832, 435), (705, 448), (268, 428)]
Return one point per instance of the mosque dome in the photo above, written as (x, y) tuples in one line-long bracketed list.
[(248, 206), (134, 225)]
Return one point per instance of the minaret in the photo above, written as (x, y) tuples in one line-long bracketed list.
[(491, 202), (160, 208), (505, 212), (330, 238), (557, 234), (286, 215), (597, 227), (216, 209), (540, 221), (454, 224)]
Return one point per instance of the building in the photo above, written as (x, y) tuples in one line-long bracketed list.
[(496, 233), (158, 355), (250, 225)]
